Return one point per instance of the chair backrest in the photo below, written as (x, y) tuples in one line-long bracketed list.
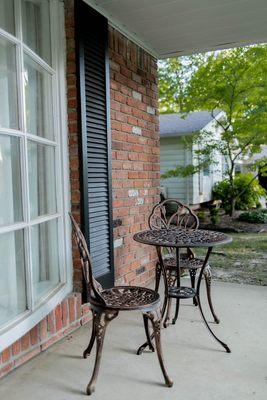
[(94, 287), (172, 213)]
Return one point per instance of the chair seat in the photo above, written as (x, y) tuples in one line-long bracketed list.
[(185, 262), (130, 298)]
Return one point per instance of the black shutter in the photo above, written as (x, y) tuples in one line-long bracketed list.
[(92, 39)]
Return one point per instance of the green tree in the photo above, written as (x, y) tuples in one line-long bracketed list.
[(174, 74), (235, 82)]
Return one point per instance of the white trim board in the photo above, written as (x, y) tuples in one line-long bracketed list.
[(28, 319)]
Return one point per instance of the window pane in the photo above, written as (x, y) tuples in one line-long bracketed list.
[(12, 272), (10, 180), (7, 16), (42, 181), (36, 27), (45, 258), (38, 97), (8, 86)]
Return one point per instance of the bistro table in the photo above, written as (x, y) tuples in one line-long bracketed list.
[(177, 239)]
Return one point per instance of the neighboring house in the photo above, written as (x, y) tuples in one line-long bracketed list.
[(174, 129), (244, 165)]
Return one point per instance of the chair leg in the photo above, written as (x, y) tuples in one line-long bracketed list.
[(208, 275), (148, 336), (192, 273), (158, 276), (168, 312), (87, 351), (177, 306), (156, 323), (171, 279), (101, 322)]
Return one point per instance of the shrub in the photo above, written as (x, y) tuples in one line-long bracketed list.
[(254, 217), (251, 192), (214, 216), (201, 215)]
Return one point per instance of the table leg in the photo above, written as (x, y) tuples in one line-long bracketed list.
[(165, 280), (224, 345), (178, 284)]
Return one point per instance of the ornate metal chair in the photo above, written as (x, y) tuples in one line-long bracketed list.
[(172, 213), (106, 304)]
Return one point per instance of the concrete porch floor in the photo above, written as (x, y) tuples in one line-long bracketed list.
[(198, 365)]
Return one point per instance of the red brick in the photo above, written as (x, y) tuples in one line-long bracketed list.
[(28, 356), (25, 342), (51, 326), (120, 97), (16, 348), (58, 318), (65, 312), (72, 309), (34, 335), (6, 355), (43, 329), (78, 306), (51, 341), (6, 369)]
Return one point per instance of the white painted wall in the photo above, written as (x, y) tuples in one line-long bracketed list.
[(173, 153), (202, 183)]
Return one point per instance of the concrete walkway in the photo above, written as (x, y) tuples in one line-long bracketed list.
[(201, 370)]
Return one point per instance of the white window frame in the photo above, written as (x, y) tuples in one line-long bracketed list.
[(35, 313)]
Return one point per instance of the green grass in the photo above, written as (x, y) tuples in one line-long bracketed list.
[(243, 261)]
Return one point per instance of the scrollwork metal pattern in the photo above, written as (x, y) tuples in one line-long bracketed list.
[(175, 237), (182, 292), (125, 297), (182, 217), (185, 262)]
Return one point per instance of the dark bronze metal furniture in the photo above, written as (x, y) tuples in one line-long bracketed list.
[(172, 213), (106, 304), (177, 239)]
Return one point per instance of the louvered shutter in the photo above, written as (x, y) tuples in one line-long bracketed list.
[(96, 141)]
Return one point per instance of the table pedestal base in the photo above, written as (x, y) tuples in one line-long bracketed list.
[(182, 292)]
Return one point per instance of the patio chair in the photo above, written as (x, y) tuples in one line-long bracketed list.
[(172, 213), (106, 304)]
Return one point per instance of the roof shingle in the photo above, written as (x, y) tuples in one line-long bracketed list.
[(175, 125)]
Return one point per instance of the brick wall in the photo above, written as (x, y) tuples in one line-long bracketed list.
[(135, 153), (64, 319), (135, 145), (74, 129)]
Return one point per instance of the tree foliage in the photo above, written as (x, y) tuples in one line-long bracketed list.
[(233, 81), (174, 75), (246, 190)]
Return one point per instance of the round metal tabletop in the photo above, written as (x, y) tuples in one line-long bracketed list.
[(174, 237)]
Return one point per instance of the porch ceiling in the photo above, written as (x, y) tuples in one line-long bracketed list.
[(168, 28)]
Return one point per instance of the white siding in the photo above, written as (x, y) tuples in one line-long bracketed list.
[(202, 185), (173, 153)]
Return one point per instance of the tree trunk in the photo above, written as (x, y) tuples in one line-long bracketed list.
[(232, 209)]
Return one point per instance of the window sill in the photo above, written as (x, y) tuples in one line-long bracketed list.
[(9, 334)]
